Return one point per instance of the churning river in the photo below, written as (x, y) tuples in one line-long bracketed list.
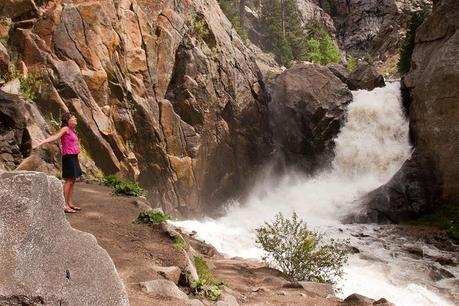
[(371, 146)]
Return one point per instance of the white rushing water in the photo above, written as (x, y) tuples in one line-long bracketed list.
[(370, 148)]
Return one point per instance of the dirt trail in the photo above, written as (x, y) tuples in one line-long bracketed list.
[(134, 248)]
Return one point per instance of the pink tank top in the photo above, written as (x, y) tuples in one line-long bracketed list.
[(69, 143)]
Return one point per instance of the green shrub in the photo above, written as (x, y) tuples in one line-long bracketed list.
[(122, 187), (180, 243), (406, 50), (351, 63), (202, 288), (206, 285), (300, 253), (151, 217)]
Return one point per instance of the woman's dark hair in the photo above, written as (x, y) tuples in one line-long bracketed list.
[(65, 119)]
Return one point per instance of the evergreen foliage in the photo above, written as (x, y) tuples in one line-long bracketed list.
[(231, 10), (281, 24), (406, 51), (320, 46), (300, 253)]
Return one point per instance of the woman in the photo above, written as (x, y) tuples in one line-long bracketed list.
[(70, 149)]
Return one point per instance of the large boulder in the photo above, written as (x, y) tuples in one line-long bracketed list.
[(412, 191), (307, 109), (365, 77), (165, 93), (43, 260)]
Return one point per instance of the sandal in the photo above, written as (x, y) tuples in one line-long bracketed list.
[(75, 207), (69, 210)]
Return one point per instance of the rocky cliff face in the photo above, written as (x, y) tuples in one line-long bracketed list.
[(373, 26), (165, 92), (431, 177), (43, 260), (433, 84)]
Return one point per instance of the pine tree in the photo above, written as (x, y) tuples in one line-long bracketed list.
[(330, 53), (294, 30)]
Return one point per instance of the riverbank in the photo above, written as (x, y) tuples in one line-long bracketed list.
[(138, 250)]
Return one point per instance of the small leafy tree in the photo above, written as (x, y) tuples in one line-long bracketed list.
[(406, 51), (300, 253)]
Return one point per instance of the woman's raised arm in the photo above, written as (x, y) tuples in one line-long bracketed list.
[(39, 142)]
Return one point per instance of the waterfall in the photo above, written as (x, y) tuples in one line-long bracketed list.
[(370, 148)]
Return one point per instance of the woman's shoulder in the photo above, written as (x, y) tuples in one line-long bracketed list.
[(64, 130)]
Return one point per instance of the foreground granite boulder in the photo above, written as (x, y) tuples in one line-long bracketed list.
[(43, 261), (307, 109)]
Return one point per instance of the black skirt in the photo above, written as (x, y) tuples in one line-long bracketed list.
[(70, 166)]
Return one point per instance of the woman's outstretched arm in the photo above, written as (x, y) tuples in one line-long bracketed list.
[(38, 142)]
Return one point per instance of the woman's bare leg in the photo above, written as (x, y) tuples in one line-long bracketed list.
[(67, 192), (70, 203)]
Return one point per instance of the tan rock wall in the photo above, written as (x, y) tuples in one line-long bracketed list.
[(165, 93)]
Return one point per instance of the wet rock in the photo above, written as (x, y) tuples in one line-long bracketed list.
[(437, 274), (443, 260), (307, 109), (163, 287), (414, 250), (411, 192), (365, 77), (75, 269)]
